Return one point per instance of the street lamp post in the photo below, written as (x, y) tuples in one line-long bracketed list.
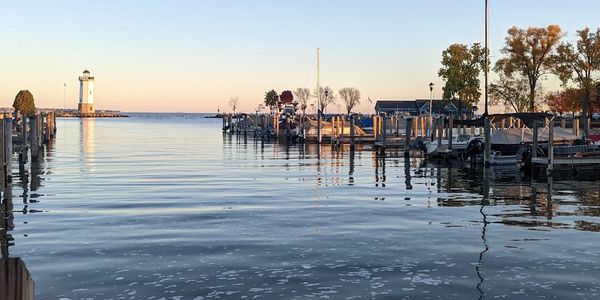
[(430, 107)]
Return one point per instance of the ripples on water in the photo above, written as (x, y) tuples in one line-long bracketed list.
[(166, 207)]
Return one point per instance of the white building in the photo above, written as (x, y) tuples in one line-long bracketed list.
[(86, 93)]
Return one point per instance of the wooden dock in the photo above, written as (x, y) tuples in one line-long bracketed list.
[(24, 138), (569, 157)]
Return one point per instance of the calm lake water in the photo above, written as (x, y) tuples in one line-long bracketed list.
[(163, 206)]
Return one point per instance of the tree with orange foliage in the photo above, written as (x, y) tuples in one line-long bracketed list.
[(527, 54), (568, 100), (580, 64)]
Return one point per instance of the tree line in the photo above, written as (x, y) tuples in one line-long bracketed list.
[(300, 97), (527, 56)]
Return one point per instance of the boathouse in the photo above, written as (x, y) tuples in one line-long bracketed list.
[(419, 107)]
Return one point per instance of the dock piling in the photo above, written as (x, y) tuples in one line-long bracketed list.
[(319, 127), (352, 133), (407, 137), (384, 131), (440, 131), (33, 138), (450, 131), (550, 147), (487, 157), (534, 144), (7, 139)]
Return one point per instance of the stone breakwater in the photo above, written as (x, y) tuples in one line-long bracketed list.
[(94, 115)]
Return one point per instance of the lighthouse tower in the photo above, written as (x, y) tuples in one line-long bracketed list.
[(86, 93)]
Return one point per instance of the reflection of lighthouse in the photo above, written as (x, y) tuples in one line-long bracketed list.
[(87, 146), (86, 93)]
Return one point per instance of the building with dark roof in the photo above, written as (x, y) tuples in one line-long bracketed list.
[(421, 107)]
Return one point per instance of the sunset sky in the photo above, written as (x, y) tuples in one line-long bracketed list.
[(192, 56)]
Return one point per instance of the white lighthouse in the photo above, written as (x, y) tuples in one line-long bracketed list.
[(86, 93)]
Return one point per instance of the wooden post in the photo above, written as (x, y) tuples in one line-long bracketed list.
[(342, 123), (384, 131), (33, 138), (428, 131), (534, 144), (332, 132), (352, 133), (54, 123), (487, 157), (7, 138), (40, 124), (510, 122), (276, 123), (23, 152), (551, 146), (340, 130), (440, 132), (576, 126), (45, 128), (450, 132), (375, 129), (503, 123), (415, 128), (319, 127), (380, 126), (407, 137), (24, 131)]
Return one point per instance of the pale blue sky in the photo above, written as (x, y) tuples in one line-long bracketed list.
[(194, 55)]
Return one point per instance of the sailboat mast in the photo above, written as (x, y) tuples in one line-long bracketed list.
[(486, 53), (318, 100), (318, 80), (487, 153)]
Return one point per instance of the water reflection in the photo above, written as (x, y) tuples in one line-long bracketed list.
[(15, 280), (87, 143), (351, 167), (528, 202), (407, 176), (379, 161), (6, 222), (484, 202), (522, 199)]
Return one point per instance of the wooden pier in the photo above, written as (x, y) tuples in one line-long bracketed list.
[(24, 138), (400, 132), (386, 131)]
